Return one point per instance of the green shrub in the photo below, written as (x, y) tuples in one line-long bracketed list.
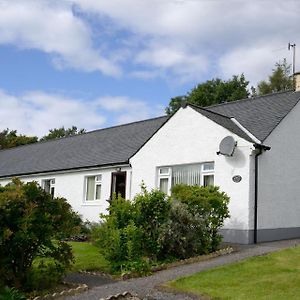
[(156, 227), (208, 202), (130, 231), (7, 293), (151, 211), (183, 235), (31, 223)]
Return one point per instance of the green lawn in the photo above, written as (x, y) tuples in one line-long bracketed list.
[(87, 257), (273, 276)]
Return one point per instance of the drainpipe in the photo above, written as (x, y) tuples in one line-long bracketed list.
[(260, 151)]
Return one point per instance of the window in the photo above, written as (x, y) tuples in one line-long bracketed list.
[(164, 179), (208, 174), (190, 174), (49, 186), (93, 188)]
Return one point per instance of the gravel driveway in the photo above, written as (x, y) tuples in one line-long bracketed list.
[(146, 287)]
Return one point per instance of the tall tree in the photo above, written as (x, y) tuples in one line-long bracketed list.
[(213, 92), (10, 138), (279, 80), (62, 132)]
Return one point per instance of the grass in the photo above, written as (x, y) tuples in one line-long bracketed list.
[(87, 257), (273, 276)]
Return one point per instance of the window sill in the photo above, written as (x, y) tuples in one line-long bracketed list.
[(92, 203)]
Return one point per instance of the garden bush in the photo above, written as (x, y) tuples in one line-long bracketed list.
[(155, 227), (130, 231), (184, 234), (151, 210), (208, 202), (32, 226), (7, 293)]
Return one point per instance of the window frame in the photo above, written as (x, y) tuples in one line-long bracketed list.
[(209, 172), (97, 182), (203, 173), (165, 176), (51, 185)]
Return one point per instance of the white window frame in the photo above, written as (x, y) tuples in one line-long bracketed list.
[(51, 186), (210, 172), (98, 181), (165, 176)]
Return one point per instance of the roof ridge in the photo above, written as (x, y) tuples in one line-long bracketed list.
[(248, 99), (85, 133), (210, 111)]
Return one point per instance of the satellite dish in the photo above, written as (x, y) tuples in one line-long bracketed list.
[(227, 146)]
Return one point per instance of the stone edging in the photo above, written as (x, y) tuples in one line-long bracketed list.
[(80, 288), (95, 273), (125, 295), (191, 260)]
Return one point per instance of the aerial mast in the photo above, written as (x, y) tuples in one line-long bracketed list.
[(294, 60)]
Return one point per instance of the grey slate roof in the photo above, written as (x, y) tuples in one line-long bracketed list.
[(115, 145), (223, 121), (259, 115), (109, 146)]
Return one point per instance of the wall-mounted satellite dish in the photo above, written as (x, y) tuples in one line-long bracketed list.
[(227, 146)]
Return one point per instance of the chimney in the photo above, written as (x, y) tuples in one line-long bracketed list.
[(297, 81)]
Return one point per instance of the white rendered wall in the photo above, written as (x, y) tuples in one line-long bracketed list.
[(189, 137), (279, 176), (71, 185)]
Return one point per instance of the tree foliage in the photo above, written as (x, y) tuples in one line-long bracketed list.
[(279, 80), (62, 132), (212, 92), (10, 138), (32, 226)]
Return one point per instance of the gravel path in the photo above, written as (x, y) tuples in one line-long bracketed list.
[(146, 286)]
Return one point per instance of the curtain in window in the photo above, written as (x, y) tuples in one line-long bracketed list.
[(90, 188), (98, 191), (208, 180), (186, 174), (163, 185)]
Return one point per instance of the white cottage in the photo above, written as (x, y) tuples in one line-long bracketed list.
[(261, 176)]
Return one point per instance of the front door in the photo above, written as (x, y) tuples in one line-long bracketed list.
[(118, 184)]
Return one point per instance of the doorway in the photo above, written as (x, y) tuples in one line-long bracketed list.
[(118, 184)]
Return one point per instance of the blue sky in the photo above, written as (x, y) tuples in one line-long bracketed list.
[(97, 63)]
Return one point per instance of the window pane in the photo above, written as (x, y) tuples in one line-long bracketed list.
[(208, 166), (90, 188), (208, 180), (164, 171), (163, 185), (98, 191), (98, 177), (186, 174), (47, 186)]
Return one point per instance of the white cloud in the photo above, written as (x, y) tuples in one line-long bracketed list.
[(180, 40), (34, 113), (190, 40), (125, 110), (52, 27)]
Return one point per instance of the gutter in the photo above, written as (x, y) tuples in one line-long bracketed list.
[(260, 148)]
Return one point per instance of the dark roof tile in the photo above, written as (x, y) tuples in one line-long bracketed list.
[(259, 115), (107, 146)]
